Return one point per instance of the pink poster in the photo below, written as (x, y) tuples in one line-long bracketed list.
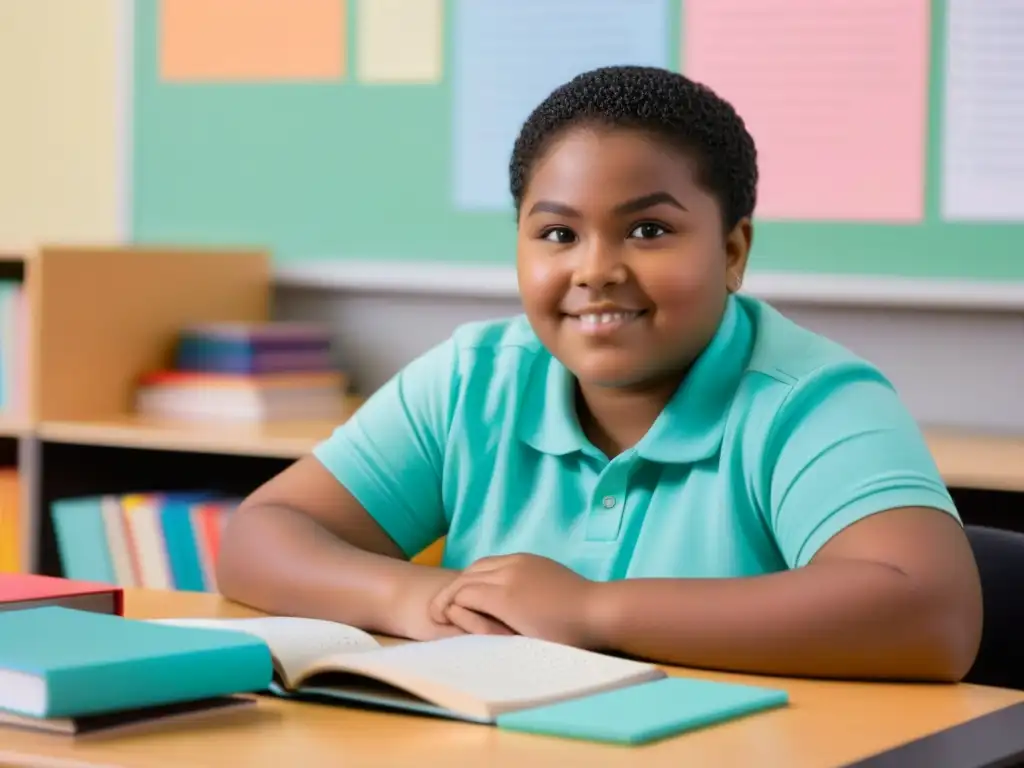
[(835, 94)]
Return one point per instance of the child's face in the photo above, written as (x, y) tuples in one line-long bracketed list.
[(623, 266)]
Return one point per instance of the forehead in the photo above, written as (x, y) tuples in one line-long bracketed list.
[(593, 164)]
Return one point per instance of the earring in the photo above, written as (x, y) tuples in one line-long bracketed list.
[(735, 283)]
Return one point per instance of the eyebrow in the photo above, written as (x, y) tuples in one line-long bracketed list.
[(649, 201), (630, 206)]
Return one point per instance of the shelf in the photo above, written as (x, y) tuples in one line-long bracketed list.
[(12, 426), (285, 439), (972, 460), (965, 460)]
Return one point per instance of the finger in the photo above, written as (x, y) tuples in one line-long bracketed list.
[(475, 623), (447, 629), (483, 597), (442, 600), (438, 606)]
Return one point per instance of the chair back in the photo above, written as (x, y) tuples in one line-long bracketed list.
[(1000, 558)]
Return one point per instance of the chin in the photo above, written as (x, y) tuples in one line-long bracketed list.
[(611, 376)]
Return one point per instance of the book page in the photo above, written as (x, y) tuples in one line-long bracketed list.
[(501, 673), (296, 643)]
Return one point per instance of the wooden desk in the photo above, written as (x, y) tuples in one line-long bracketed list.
[(970, 460), (826, 724)]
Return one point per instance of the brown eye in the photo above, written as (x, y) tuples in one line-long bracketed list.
[(560, 235), (647, 231)]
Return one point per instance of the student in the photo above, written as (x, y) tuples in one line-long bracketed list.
[(647, 462)]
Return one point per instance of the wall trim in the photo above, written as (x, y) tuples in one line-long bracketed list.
[(493, 281)]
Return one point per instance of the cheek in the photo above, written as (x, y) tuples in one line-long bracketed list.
[(693, 282), (685, 291), (542, 283)]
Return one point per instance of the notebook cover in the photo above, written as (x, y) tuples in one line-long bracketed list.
[(645, 712), (25, 587), (94, 663)]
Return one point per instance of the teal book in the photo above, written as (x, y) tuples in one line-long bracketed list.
[(646, 712), (82, 539), (180, 540), (58, 662)]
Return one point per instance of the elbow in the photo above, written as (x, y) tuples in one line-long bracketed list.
[(950, 635), (238, 556)]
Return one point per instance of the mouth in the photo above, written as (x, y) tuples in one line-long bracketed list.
[(605, 323)]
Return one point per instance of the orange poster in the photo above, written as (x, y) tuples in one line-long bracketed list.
[(252, 40)]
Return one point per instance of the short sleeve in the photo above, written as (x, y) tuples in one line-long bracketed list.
[(845, 448), (390, 453)]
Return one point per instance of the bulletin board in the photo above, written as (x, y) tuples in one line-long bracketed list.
[(380, 129)]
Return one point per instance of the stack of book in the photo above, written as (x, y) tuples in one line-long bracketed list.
[(10, 527), (241, 372), (73, 664), (149, 540), (12, 348)]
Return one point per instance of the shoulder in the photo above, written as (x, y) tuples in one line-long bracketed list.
[(489, 361), (795, 356), (494, 349), (798, 381)]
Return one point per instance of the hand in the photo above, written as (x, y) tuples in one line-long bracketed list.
[(528, 594), (412, 619)]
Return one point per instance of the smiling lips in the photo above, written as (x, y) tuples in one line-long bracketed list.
[(605, 322)]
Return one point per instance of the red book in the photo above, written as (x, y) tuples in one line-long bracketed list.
[(24, 590)]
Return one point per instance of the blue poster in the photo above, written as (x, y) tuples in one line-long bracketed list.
[(510, 54)]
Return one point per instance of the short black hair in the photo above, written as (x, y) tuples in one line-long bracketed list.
[(665, 104)]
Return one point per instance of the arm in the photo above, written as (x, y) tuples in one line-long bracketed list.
[(329, 537), (882, 584), (893, 596), (302, 545)]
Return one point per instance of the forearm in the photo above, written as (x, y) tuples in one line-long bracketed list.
[(280, 561), (854, 619)]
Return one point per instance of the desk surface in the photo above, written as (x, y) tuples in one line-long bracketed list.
[(826, 724)]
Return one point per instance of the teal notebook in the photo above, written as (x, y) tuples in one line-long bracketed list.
[(58, 662), (645, 712)]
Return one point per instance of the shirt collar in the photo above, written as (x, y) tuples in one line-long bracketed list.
[(689, 429), (692, 425)]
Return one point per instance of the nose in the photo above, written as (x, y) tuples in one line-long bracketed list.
[(599, 265)]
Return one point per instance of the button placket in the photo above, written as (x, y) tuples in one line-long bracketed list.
[(608, 504)]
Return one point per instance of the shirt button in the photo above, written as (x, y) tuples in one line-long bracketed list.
[(608, 501)]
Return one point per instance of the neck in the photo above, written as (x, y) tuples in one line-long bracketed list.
[(615, 419)]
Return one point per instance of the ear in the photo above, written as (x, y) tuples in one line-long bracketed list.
[(737, 249)]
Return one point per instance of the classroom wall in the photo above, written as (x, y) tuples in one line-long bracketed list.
[(78, 167), (953, 368)]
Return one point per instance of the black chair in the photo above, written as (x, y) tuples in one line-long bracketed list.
[(1000, 557)]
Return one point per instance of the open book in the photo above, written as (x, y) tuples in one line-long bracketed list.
[(471, 677)]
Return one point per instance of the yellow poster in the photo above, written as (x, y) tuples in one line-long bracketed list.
[(60, 133), (399, 41)]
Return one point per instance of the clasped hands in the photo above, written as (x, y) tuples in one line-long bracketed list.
[(518, 594)]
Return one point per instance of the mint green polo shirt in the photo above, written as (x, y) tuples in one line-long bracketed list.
[(776, 441)]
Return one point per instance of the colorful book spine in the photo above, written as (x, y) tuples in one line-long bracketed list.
[(10, 525), (149, 540), (266, 348), (13, 328)]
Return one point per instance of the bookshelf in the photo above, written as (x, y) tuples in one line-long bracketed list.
[(96, 318)]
